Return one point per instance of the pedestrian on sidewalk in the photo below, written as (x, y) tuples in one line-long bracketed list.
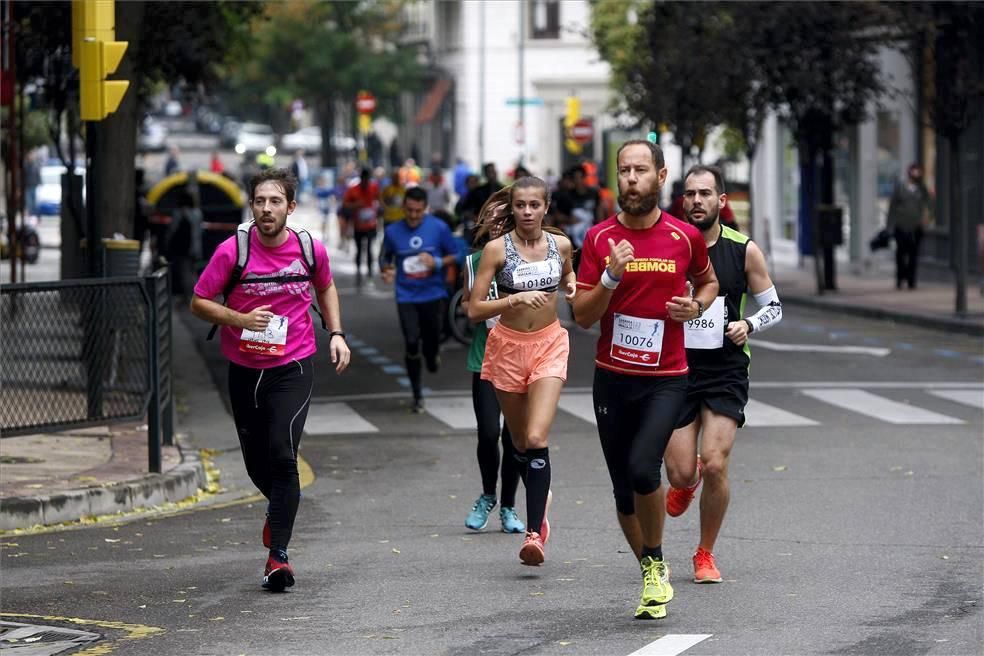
[(718, 356), (633, 279), (908, 213), (268, 337), (527, 349)]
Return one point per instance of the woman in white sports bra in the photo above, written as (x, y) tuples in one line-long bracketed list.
[(526, 352)]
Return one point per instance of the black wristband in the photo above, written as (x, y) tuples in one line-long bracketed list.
[(751, 327), (336, 332), (700, 307)]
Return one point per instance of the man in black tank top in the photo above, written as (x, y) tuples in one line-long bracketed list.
[(718, 356)]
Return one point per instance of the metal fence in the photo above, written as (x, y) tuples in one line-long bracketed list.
[(79, 353)]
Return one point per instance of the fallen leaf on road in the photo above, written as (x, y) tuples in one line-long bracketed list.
[(383, 541), (563, 643), (895, 468), (779, 468), (565, 579), (245, 611), (216, 619), (295, 619), (396, 551), (945, 557), (68, 582), (452, 496), (179, 601), (226, 520), (142, 606), (435, 535), (536, 594), (111, 540)]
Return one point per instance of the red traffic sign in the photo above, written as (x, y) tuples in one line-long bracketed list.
[(365, 102), (583, 131)]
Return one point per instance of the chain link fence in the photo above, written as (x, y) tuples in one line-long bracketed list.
[(86, 352)]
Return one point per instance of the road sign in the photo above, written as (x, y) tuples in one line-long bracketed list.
[(365, 102), (583, 131), (529, 102)]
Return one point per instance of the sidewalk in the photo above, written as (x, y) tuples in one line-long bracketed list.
[(873, 295), (48, 479)]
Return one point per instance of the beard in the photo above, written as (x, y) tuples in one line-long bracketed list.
[(642, 204), (272, 229), (707, 222)]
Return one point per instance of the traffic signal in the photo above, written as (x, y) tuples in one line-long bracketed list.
[(571, 117), (97, 54)]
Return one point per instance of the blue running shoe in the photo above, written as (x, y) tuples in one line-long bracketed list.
[(478, 518), (510, 521)]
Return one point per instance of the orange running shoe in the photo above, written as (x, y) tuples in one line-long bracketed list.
[(705, 569), (532, 551), (678, 499)]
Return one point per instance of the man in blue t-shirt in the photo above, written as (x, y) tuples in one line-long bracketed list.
[(415, 252)]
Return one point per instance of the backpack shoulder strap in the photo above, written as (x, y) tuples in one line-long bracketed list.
[(307, 249), (242, 257)]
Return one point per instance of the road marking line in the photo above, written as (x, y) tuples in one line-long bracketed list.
[(872, 405), (380, 396), (334, 418), (763, 415), (579, 404), (821, 348), (672, 644), (393, 369), (973, 398), (455, 411)]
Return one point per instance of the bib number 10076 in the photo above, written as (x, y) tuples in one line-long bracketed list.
[(637, 340)]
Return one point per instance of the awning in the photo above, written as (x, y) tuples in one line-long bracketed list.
[(435, 97)]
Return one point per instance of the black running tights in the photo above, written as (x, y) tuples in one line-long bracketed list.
[(487, 415), (270, 407)]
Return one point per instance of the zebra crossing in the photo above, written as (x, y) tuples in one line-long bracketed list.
[(453, 410)]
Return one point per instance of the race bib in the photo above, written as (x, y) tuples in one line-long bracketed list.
[(413, 267), (636, 340), (271, 341), (536, 275), (366, 217), (707, 332)]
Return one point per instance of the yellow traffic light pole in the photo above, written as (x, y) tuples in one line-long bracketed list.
[(97, 54)]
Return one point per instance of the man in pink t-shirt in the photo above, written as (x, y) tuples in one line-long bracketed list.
[(268, 337)]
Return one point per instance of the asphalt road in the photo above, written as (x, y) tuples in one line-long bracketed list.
[(855, 524)]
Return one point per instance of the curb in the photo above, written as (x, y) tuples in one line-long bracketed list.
[(943, 323), (182, 482)]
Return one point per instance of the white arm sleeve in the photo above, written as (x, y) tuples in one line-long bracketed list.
[(770, 310)]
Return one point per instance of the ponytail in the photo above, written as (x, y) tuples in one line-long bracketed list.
[(496, 219)]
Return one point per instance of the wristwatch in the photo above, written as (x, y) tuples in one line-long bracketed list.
[(700, 308)]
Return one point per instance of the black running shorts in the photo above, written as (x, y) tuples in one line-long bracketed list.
[(722, 392)]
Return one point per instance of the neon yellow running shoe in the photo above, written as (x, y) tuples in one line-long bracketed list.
[(656, 589)]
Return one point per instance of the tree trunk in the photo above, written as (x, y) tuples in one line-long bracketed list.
[(326, 119), (117, 135), (958, 226)]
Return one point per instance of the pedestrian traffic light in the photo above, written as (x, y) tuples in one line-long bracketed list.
[(97, 53), (98, 96)]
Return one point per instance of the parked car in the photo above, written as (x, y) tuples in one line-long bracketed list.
[(309, 139), (48, 194), (152, 136), (254, 138)]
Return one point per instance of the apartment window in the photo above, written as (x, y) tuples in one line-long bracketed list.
[(544, 19)]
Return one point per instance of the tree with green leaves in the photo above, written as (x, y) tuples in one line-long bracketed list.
[(949, 36), (324, 53), (697, 65), (168, 42)]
